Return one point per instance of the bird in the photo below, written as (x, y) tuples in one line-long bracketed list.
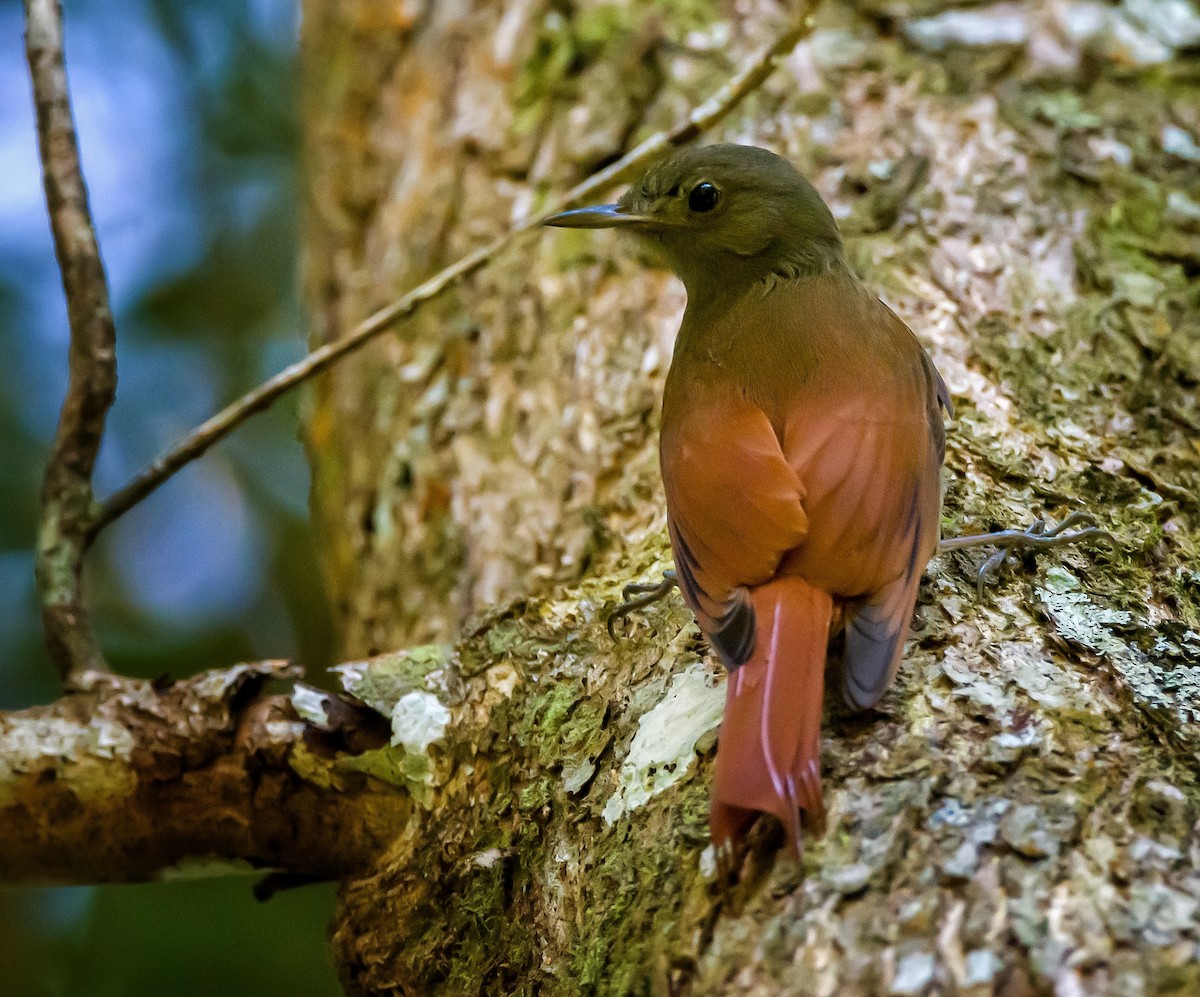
[(801, 449)]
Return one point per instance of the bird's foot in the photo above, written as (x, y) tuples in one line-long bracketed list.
[(640, 594), (1034, 538)]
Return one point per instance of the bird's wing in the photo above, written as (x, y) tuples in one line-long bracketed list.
[(873, 498), (877, 624), (734, 510)]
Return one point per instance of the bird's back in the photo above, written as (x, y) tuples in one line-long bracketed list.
[(853, 404)]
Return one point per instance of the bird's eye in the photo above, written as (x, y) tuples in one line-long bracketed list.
[(704, 197)]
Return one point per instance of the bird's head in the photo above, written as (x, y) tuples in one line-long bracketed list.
[(726, 215)]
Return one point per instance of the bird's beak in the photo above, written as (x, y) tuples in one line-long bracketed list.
[(600, 216)]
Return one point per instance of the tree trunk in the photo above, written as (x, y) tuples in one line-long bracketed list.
[(1020, 813), (494, 444)]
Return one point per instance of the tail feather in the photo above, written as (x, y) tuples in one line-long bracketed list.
[(768, 753)]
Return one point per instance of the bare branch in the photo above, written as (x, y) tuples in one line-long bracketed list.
[(68, 506), (702, 118), (125, 780)]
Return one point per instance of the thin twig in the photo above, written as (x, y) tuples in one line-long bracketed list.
[(67, 503), (224, 422)]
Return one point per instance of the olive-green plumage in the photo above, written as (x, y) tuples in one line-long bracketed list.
[(801, 448)]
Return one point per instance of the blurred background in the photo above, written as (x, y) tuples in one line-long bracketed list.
[(187, 119)]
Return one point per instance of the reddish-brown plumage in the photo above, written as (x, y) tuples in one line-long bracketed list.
[(801, 447), (801, 450)]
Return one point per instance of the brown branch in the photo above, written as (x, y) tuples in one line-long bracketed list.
[(67, 503), (700, 120), (125, 780)]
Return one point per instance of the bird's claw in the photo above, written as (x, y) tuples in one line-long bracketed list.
[(638, 595), (1034, 538)]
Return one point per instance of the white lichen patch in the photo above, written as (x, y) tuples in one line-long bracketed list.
[(418, 719), (27, 743), (486, 858), (108, 739), (309, 704), (31, 745), (1079, 619), (665, 742), (282, 731), (351, 674)]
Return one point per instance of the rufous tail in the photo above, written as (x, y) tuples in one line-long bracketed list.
[(768, 751)]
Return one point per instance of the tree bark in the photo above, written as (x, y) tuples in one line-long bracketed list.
[(469, 459), (1020, 813)]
